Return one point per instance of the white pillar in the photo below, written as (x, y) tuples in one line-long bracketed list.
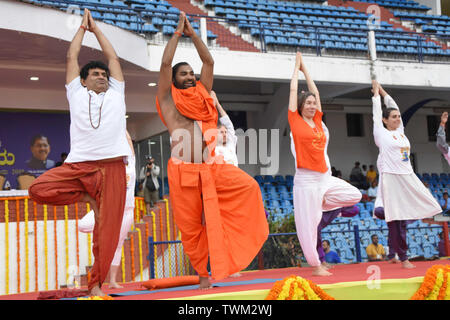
[(372, 45), (203, 30)]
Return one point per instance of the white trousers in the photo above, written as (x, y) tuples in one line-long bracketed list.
[(313, 193), (87, 224)]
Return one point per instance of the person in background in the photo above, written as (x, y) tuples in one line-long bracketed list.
[(371, 174), (227, 139), (445, 205), (40, 148), (441, 245), (63, 158), (149, 177), (372, 191), (330, 256), (375, 251)]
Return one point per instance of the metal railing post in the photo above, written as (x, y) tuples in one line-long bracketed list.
[(151, 258), (357, 243)]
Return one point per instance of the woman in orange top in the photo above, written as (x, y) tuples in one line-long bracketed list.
[(315, 189)]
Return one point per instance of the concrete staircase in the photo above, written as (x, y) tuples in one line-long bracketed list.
[(225, 38)]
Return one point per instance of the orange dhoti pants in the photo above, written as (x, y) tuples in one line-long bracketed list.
[(104, 181), (235, 225)]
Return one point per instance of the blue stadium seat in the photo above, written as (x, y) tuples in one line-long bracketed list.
[(168, 30), (259, 179)]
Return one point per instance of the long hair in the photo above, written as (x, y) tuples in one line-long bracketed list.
[(176, 67), (302, 99)]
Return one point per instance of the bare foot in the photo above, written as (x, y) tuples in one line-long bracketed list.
[(394, 260), (321, 271), (204, 283), (96, 291), (235, 275), (408, 265), (326, 265), (115, 285)]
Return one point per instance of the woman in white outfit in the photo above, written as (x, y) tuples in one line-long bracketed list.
[(315, 189), (87, 224), (441, 140), (401, 195)]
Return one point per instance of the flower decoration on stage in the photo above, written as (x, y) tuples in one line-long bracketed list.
[(436, 284), (296, 288), (97, 298)]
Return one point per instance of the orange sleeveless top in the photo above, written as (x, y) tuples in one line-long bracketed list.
[(309, 142)]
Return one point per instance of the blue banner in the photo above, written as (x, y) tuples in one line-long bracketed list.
[(31, 143)]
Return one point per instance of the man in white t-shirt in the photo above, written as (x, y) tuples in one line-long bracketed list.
[(227, 140), (94, 170)]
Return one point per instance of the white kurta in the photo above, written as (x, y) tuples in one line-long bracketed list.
[(400, 192), (313, 193), (107, 112)]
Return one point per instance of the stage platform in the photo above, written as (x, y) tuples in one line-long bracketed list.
[(362, 281)]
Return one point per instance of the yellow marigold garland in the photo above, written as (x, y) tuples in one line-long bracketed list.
[(447, 291), (435, 284), (296, 288)]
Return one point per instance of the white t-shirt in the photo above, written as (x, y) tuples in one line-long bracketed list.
[(228, 151), (327, 159), (109, 139), (393, 145), (372, 192)]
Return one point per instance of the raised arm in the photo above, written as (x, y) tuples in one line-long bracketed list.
[(207, 73), (224, 118), (390, 103), (310, 83), (219, 107), (165, 71), (376, 106), (72, 66), (441, 141), (108, 50), (293, 93)]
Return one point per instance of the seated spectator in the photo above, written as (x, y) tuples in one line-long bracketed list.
[(375, 251), (364, 170), (371, 174), (441, 245), (372, 192), (330, 256), (357, 178), (444, 202)]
